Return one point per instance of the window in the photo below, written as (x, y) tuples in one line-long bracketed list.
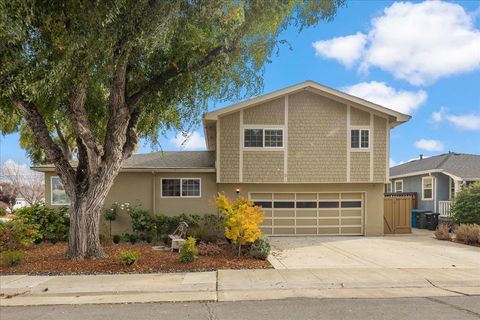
[(184, 188), (388, 187), (360, 138), (452, 188), (427, 188), (253, 138), (58, 194), (263, 138), (398, 185), (274, 138), (351, 204)]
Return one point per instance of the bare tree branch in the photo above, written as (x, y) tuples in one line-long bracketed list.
[(81, 125), (42, 137), (65, 147)]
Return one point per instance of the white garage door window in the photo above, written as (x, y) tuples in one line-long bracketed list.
[(323, 213)]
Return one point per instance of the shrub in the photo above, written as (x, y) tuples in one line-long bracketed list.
[(133, 238), (117, 238), (12, 258), (466, 205), (260, 249), (208, 249), (212, 228), (53, 223), (243, 219), (468, 233), (111, 215), (442, 232), (141, 220), (129, 257), (17, 233), (188, 251)]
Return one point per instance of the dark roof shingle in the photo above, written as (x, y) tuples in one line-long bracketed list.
[(465, 166), (172, 159)]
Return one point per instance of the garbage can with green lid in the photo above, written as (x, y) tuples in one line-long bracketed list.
[(416, 212)]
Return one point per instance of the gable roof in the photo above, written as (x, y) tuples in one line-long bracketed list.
[(163, 160), (397, 117), (464, 166)]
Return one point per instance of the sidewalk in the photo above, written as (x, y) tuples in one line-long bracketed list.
[(236, 285)]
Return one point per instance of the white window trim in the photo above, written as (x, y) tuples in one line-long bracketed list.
[(360, 148), (395, 185), (181, 186), (51, 194), (423, 187), (262, 148)]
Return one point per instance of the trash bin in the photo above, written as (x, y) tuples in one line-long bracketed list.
[(432, 220), (415, 213), (422, 219)]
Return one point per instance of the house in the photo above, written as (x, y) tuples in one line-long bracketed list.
[(316, 160), (435, 179), (20, 203)]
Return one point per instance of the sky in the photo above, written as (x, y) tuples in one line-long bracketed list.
[(420, 58)]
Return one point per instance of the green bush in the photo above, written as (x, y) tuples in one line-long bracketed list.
[(12, 258), (18, 233), (117, 238), (53, 223), (212, 228), (260, 249), (129, 257), (466, 205), (142, 222), (188, 251)]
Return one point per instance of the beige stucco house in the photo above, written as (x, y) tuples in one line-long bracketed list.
[(316, 160)]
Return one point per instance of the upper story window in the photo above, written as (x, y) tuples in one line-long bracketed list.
[(179, 187), (398, 185), (263, 138), (57, 192), (427, 188), (360, 138)]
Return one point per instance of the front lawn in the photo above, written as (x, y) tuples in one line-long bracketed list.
[(49, 258)]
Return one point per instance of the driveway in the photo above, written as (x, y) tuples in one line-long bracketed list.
[(417, 250)]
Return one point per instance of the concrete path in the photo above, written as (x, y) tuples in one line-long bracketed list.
[(417, 250), (439, 308), (238, 285)]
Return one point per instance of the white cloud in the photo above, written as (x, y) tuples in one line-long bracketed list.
[(462, 122), (382, 94), (416, 42), (429, 145), (189, 141), (346, 49)]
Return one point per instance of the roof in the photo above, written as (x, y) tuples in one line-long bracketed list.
[(314, 86), (167, 160), (464, 166)]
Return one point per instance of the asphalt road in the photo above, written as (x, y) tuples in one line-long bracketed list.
[(464, 308)]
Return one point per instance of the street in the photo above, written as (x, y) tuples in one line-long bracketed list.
[(437, 308)]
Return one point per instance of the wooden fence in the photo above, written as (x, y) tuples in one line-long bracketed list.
[(412, 195), (397, 216)]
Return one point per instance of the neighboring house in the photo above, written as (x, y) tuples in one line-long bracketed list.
[(20, 203), (316, 160), (435, 179)]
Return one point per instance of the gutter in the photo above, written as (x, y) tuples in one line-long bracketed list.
[(204, 169)]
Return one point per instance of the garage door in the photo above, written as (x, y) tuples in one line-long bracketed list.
[(339, 213)]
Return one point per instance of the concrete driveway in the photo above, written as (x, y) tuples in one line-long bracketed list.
[(417, 250)]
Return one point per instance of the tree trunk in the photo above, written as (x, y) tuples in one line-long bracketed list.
[(84, 238)]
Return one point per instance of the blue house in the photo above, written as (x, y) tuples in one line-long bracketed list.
[(435, 179)]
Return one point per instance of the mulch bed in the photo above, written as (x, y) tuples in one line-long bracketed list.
[(49, 259)]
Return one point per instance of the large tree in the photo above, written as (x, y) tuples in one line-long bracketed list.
[(99, 75)]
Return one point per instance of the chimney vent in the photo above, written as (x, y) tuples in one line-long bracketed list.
[(421, 157)]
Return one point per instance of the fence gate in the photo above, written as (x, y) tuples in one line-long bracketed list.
[(397, 214)]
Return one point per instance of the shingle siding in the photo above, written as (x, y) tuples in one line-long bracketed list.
[(359, 166), (317, 139), (272, 112), (263, 166), (359, 117), (379, 149), (229, 147)]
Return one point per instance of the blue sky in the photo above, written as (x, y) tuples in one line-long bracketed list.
[(422, 58)]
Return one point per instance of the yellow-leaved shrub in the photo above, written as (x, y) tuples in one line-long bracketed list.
[(243, 219)]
